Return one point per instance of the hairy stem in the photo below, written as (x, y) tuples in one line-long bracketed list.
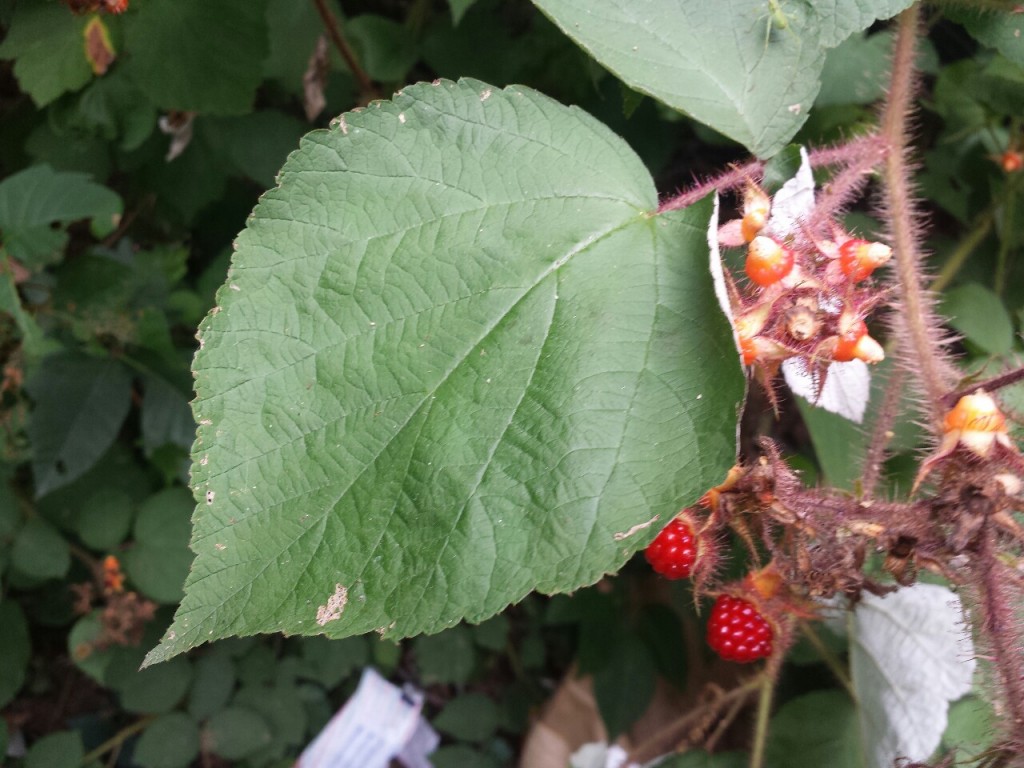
[(861, 155), (921, 346), (764, 711), (1000, 628), (656, 744), (367, 90), (989, 385), (859, 159)]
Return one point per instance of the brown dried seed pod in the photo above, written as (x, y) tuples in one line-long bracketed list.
[(802, 323)]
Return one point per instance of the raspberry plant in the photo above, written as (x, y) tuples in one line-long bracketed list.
[(455, 358), (468, 349)]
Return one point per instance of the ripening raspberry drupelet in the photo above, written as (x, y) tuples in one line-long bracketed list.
[(767, 261), (673, 553), (737, 631)]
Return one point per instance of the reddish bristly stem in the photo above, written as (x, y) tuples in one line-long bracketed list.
[(367, 90), (731, 179), (1001, 627), (856, 158), (921, 347), (992, 384)]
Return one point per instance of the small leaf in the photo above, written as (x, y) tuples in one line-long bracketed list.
[(40, 551), (814, 730), (624, 685), (462, 757), (386, 48), (105, 518), (166, 416), (80, 404), (331, 661), (158, 689), (160, 559), (33, 199), (458, 9), (46, 41), (470, 717), (447, 657), (212, 686), (172, 741), (971, 729), (15, 649), (980, 315), (191, 55), (236, 732), (1002, 30), (62, 749), (855, 71), (82, 651), (493, 633), (281, 707), (909, 657)]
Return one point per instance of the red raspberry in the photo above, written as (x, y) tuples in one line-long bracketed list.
[(673, 553), (737, 631)]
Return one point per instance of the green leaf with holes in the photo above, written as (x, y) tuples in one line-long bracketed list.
[(453, 363), (747, 68)]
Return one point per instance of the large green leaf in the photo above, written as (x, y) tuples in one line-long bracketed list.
[(196, 55), (729, 64), (458, 358)]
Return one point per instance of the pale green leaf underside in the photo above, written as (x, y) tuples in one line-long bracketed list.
[(457, 354), (720, 62)]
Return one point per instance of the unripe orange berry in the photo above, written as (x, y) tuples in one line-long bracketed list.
[(752, 223), (977, 413), (1011, 161), (859, 258), (767, 261), (847, 345), (748, 349), (976, 423), (756, 208), (868, 350)]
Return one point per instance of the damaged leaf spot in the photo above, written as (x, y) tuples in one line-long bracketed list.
[(636, 528), (334, 608)]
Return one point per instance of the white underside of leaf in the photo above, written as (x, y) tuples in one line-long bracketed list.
[(794, 202), (910, 657), (846, 391)]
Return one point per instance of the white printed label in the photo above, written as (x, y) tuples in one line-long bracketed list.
[(373, 726)]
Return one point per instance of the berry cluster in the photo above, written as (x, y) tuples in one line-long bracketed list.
[(805, 295), (737, 630)]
